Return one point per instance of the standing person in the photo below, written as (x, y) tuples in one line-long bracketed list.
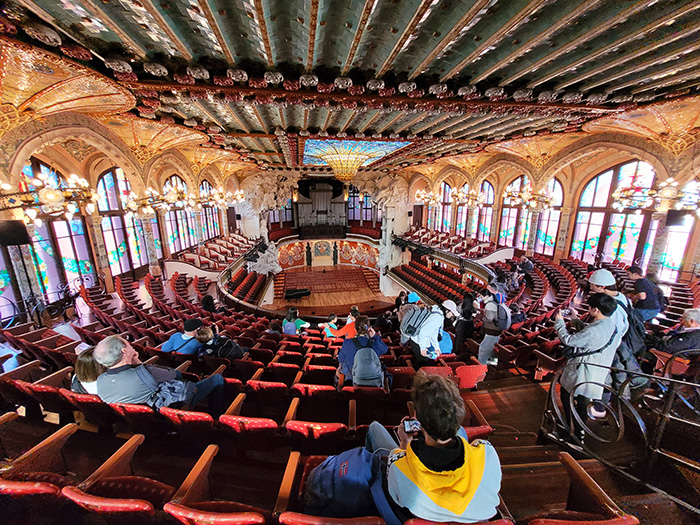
[(383, 323), (464, 327), (645, 294), (494, 311), (292, 324), (595, 344), (425, 344), (184, 342), (366, 337), (400, 300)]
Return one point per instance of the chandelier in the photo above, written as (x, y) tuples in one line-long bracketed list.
[(472, 199), (37, 198), (176, 198), (526, 198), (666, 195), (427, 197), (346, 158)]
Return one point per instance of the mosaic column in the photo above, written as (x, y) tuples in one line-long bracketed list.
[(94, 229), (472, 217), (532, 232), (495, 224), (198, 226), (160, 216), (565, 226), (657, 258), (453, 220), (223, 221), (153, 264)]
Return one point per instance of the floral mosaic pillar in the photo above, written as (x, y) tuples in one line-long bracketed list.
[(153, 265), (198, 227), (165, 244), (532, 232), (657, 249), (21, 257), (495, 224), (223, 222), (472, 217), (97, 240), (565, 225)]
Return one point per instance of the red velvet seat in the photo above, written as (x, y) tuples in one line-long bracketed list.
[(244, 369), (318, 375), (287, 356), (190, 425), (295, 518), (142, 418), (470, 375), (402, 376), (316, 436), (322, 359), (283, 372), (94, 409)]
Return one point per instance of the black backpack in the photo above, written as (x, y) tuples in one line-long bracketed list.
[(224, 347), (663, 300), (636, 333)]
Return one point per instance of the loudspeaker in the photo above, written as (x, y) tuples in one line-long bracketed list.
[(676, 217), (13, 233), (410, 214), (238, 216)]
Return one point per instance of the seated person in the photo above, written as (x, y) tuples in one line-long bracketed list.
[(213, 306), (274, 328), (434, 473), (348, 330), (687, 337), (87, 370), (293, 319), (216, 345), (331, 324), (384, 323), (366, 337), (127, 380), (516, 314), (184, 343)]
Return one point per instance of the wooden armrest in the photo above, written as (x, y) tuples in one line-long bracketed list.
[(8, 417), (476, 414), (57, 378), (297, 378), (69, 347), (410, 405), (21, 371), (119, 464), (587, 491), (352, 415), (234, 408), (151, 360), (45, 456), (196, 487), (20, 329), (291, 411), (184, 366), (474, 361), (5, 357), (287, 482), (218, 371), (341, 380), (258, 374)]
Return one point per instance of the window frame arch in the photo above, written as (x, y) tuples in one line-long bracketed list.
[(484, 223), (516, 217), (549, 221)]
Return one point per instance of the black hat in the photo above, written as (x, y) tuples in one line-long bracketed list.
[(192, 324)]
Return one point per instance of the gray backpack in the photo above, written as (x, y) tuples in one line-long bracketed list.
[(366, 367), (502, 320), (412, 321)]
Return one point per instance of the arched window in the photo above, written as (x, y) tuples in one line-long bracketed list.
[(679, 225), (629, 234), (281, 215), (515, 218), (548, 223), (461, 226), (483, 225), (210, 214), (60, 249), (443, 211), (354, 204), (179, 223), (123, 232)]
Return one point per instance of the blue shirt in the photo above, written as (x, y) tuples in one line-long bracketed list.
[(346, 355), (181, 345)]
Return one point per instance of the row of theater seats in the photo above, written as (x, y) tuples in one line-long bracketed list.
[(452, 243), (42, 481), (247, 286), (218, 253)]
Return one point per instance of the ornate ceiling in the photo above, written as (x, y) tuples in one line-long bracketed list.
[(251, 81)]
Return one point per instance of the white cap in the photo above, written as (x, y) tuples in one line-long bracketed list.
[(450, 305), (602, 278)]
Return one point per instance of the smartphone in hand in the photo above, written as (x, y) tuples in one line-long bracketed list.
[(411, 425)]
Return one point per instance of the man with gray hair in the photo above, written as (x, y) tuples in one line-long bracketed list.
[(128, 380), (687, 337)]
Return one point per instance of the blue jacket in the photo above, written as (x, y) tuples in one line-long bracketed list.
[(178, 344), (346, 355)]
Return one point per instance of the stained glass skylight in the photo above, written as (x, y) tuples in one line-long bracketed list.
[(315, 150)]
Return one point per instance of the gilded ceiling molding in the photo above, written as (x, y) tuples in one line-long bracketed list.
[(213, 175), (361, 25), (19, 144), (457, 177), (260, 15), (313, 21), (172, 162), (505, 159)]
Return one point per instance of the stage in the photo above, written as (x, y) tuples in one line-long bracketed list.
[(334, 289)]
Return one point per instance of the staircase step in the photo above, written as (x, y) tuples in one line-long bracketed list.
[(656, 508), (528, 454)]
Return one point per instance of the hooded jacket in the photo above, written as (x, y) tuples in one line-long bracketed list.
[(465, 495)]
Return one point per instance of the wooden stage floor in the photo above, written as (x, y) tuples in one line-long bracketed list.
[(333, 290)]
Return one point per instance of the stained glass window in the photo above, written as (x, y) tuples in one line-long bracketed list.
[(675, 247), (179, 223), (7, 294), (444, 210), (548, 224), (210, 214), (354, 210), (483, 225), (75, 252), (515, 221), (462, 211)]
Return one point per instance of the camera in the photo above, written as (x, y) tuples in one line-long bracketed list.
[(566, 312), (411, 425)]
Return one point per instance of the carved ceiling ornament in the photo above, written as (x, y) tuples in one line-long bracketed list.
[(78, 149), (673, 125), (537, 150), (10, 118)]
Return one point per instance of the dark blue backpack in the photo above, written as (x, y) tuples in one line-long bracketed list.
[(289, 328), (348, 485)]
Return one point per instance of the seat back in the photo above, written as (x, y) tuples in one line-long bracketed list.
[(470, 375), (190, 425)]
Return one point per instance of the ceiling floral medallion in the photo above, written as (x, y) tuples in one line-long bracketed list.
[(537, 150), (78, 149)]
